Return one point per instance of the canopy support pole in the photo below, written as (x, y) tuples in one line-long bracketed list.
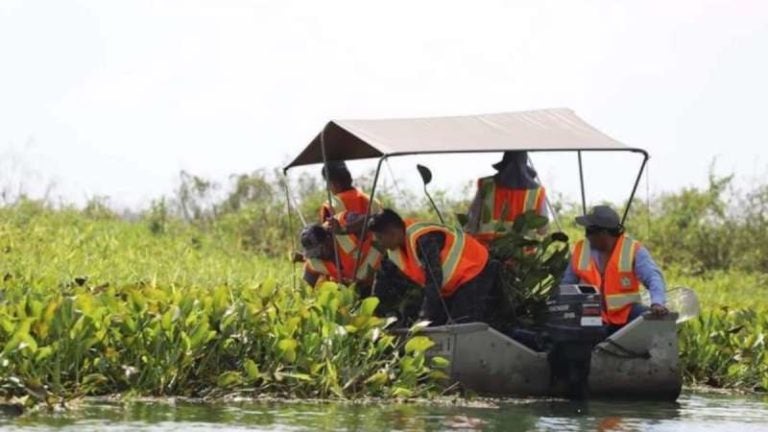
[(371, 200), (330, 203), (634, 188), (581, 182)]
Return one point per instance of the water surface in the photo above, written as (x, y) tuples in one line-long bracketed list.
[(692, 412)]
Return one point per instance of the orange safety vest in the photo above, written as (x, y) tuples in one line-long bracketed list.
[(618, 284), (462, 257), (352, 200), (502, 205), (349, 249)]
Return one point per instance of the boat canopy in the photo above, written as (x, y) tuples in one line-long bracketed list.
[(558, 129)]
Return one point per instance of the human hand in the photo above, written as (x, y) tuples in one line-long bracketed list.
[(334, 226), (659, 310)]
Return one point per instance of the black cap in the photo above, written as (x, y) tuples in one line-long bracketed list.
[(312, 238), (335, 169), (601, 216), (518, 157)]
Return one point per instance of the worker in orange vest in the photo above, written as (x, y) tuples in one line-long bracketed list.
[(358, 260), (501, 198), (346, 197), (454, 269), (617, 264)]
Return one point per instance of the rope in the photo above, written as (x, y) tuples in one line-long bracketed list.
[(624, 353)]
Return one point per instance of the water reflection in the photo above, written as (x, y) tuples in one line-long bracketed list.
[(693, 413)]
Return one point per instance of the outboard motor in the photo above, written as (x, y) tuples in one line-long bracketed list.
[(574, 326)]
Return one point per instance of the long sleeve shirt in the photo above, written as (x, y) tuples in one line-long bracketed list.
[(428, 249), (645, 269)]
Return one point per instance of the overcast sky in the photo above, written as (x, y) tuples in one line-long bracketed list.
[(115, 98)]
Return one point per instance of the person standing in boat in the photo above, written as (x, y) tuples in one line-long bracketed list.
[(454, 269), (502, 197), (346, 197), (617, 264)]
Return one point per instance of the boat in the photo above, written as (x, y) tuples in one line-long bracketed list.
[(640, 360)]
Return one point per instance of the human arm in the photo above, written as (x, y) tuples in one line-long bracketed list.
[(310, 276), (428, 249), (569, 276), (651, 277)]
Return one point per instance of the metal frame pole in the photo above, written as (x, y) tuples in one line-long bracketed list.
[(371, 197), (634, 188), (581, 181), (330, 203)]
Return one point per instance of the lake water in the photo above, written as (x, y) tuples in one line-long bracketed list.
[(692, 412)]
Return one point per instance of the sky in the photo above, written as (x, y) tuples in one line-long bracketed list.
[(116, 97)]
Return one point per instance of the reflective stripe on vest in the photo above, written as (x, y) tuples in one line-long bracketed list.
[(346, 242), (319, 266), (627, 257), (618, 284), (353, 200), (451, 262), (462, 257), (369, 264), (618, 301), (585, 257), (338, 204), (490, 223)]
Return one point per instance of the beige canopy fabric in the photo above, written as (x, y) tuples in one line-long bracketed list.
[(542, 130)]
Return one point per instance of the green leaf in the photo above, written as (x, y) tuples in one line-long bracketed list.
[(252, 370), (438, 375), (402, 392), (94, 379), (43, 353), (267, 288), (229, 379), (21, 334), (298, 376), (288, 348), (418, 344), (377, 379), (440, 362), (368, 306), (418, 326)]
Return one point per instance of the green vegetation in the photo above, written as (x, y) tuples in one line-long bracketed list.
[(716, 241), (532, 266), (93, 304), (195, 296)]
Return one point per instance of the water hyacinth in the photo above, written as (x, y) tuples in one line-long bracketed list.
[(726, 348), (100, 306), (149, 339)]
